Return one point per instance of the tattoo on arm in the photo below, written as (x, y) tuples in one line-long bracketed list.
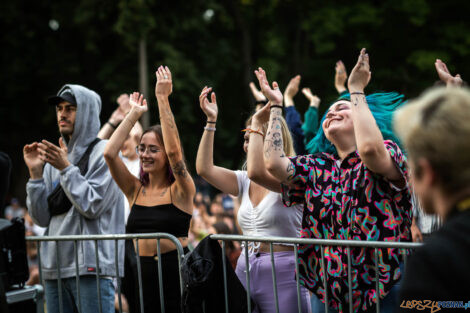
[(290, 172), (179, 169)]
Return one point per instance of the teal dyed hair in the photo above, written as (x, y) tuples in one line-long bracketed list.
[(382, 105)]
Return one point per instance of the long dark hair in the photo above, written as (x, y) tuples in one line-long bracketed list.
[(144, 177)]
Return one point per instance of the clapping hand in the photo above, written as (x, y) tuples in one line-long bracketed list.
[(256, 93), (360, 75), (340, 76), (164, 85), (274, 95), (54, 155), (209, 108), (291, 90), (313, 99), (445, 75)]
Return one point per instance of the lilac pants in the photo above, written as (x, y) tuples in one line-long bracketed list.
[(261, 282)]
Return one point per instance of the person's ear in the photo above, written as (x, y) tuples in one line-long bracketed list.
[(425, 173)]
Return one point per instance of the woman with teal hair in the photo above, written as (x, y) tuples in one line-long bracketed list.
[(382, 105), (354, 187)]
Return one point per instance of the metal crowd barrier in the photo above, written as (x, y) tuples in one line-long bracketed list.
[(319, 242), (116, 238)]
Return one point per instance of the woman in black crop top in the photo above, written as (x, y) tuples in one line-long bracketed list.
[(161, 198)]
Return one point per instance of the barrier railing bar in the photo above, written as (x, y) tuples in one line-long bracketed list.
[(322, 242), (273, 270), (118, 278), (377, 291), (224, 264), (350, 281), (98, 276), (61, 309), (297, 279), (325, 286), (40, 263), (160, 278), (247, 265), (77, 276), (139, 276)]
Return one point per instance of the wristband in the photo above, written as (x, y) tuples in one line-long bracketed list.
[(356, 93), (210, 122), (275, 106), (249, 130), (111, 124), (209, 129)]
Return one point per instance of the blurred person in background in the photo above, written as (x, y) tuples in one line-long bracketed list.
[(14, 209), (261, 213), (435, 130)]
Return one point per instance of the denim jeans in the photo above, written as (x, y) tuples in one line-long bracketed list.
[(88, 294)]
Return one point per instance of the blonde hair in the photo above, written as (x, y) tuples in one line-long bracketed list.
[(436, 127), (288, 143)]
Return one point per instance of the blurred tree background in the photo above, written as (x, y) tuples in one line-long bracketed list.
[(216, 43)]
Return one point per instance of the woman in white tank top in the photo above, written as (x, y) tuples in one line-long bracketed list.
[(261, 213)]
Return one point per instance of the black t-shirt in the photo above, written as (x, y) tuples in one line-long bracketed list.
[(440, 270)]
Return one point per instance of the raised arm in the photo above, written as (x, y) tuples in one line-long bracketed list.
[(219, 177), (257, 171), (275, 159), (369, 139), (310, 125), (125, 180), (340, 77), (185, 189), (116, 117), (446, 77)]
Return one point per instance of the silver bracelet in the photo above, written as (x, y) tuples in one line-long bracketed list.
[(209, 128)]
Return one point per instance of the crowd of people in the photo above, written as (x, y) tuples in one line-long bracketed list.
[(373, 167)]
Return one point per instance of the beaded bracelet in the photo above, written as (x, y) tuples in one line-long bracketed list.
[(249, 130), (209, 128)]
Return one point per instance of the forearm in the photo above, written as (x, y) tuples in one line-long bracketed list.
[(310, 125), (171, 138), (106, 131), (274, 155), (205, 152), (369, 139), (119, 136), (36, 201)]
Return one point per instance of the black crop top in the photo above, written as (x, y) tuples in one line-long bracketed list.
[(162, 218)]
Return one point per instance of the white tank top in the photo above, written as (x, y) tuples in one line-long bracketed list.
[(269, 218)]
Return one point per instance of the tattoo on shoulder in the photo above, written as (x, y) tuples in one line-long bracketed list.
[(180, 169)]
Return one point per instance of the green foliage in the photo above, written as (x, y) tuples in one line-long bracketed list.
[(214, 43)]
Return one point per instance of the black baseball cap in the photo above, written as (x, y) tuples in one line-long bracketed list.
[(65, 95)]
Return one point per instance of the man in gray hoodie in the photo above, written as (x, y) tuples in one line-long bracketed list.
[(71, 192)]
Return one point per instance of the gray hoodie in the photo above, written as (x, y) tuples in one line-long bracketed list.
[(98, 206)]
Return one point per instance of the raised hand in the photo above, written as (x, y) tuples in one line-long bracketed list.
[(360, 75), (33, 159), (272, 94), (256, 93), (292, 88), (164, 85), (54, 155), (138, 103), (340, 76), (123, 101), (117, 116), (445, 75), (209, 108), (261, 117), (313, 99)]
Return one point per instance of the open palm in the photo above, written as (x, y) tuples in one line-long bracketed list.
[(138, 103), (272, 94), (208, 107)]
